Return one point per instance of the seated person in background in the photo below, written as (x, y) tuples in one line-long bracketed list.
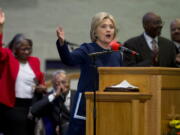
[(20, 80), (175, 36), (56, 105), (154, 50)]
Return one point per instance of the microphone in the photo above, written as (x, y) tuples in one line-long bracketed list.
[(70, 43), (100, 53), (116, 46)]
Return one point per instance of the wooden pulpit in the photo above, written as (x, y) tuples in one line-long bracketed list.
[(146, 115), (117, 113)]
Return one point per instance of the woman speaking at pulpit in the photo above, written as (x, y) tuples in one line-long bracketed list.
[(102, 32)]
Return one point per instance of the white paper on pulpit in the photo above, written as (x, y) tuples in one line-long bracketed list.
[(124, 84)]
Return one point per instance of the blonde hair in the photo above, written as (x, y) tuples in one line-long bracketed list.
[(97, 20)]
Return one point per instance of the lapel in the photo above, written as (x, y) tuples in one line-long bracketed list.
[(144, 44), (144, 49), (160, 44), (60, 103)]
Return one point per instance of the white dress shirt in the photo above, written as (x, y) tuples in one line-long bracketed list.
[(149, 40)]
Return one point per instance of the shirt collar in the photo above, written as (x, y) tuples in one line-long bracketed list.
[(149, 40), (177, 44), (69, 94)]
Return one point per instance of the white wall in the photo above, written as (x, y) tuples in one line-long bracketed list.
[(39, 19)]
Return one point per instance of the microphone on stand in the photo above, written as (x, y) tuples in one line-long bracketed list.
[(70, 43), (116, 46), (100, 53)]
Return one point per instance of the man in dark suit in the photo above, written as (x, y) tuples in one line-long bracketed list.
[(55, 106), (175, 37), (153, 49)]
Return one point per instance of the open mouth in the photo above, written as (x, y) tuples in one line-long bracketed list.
[(108, 35)]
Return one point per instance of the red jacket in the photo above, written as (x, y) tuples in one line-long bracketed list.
[(9, 67)]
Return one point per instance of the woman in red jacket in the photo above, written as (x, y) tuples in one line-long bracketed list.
[(20, 80)]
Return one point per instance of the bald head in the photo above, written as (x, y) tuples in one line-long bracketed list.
[(152, 24), (175, 30), (148, 17)]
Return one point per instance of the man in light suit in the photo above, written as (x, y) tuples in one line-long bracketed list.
[(54, 108), (175, 37), (165, 54)]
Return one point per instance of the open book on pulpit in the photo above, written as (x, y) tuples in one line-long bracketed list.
[(123, 86)]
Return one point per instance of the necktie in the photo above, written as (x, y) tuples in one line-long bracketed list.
[(155, 50)]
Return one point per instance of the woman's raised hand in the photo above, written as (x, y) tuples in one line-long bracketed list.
[(2, 17), (60, 34)]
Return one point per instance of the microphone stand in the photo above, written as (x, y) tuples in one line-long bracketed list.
[(94, 56), (94, 94)]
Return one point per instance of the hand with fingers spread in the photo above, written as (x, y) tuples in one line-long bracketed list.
[(60, 35)]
